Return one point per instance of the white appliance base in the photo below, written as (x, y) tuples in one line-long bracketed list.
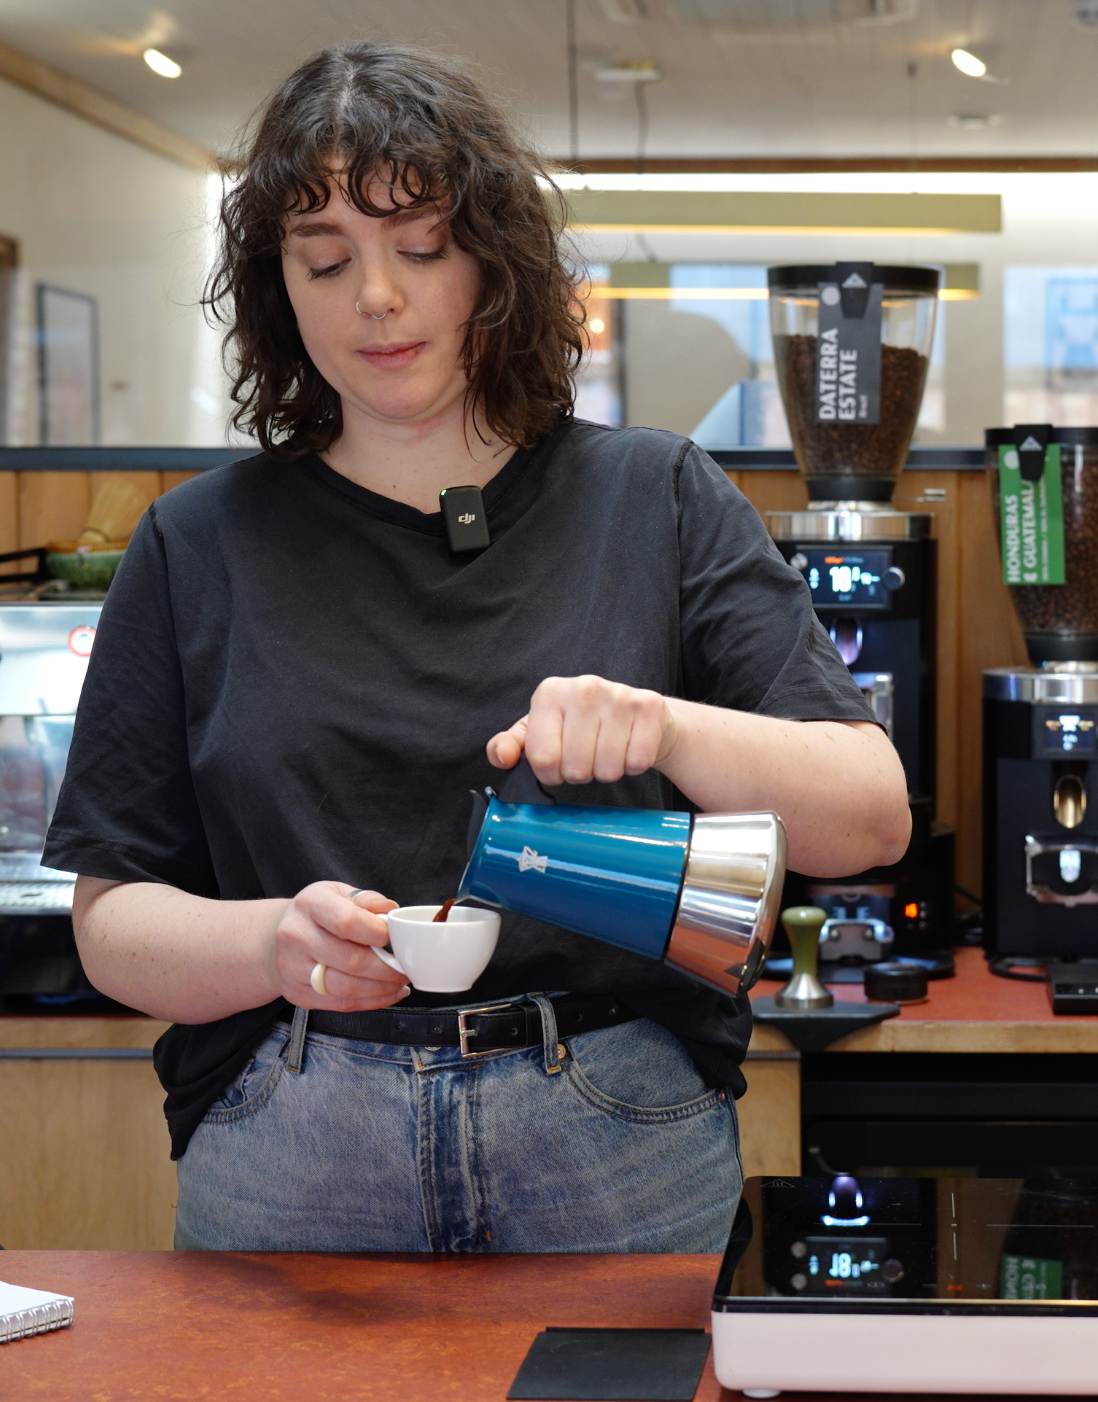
[(764, 1352)]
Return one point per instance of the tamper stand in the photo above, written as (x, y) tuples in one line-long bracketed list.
[(804, 1010)]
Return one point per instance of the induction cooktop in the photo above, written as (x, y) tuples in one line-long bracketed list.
[(955, 1285)]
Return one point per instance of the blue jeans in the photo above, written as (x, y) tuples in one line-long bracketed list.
[(616, 1145)]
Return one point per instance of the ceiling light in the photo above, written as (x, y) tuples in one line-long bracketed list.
[(161, 63), (969, 64), (642, 71)]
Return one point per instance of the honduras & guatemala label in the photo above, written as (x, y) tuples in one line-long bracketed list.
[(1031, 519)]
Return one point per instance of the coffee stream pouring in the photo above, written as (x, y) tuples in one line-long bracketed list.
[(701, 893)]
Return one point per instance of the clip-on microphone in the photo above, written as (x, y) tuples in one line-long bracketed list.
[(465, 517)]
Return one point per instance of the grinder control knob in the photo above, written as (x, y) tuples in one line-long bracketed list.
[(894, 578)]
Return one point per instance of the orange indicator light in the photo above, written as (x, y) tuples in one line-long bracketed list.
[(911, 910)]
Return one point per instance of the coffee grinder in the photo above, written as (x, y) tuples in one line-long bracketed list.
[(851, 348), (1041, 721)]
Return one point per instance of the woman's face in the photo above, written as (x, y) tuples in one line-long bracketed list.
[(397, 358)]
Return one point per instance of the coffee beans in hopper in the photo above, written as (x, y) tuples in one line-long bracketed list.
[(850, 450)]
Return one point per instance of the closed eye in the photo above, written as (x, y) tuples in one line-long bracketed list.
[(330, 271), (426, 256)]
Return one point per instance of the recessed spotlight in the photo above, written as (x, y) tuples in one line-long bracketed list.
[(972, 121), (161, 63), (969, 64)]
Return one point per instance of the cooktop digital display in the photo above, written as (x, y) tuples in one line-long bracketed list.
[(931, 1239), (852, 1267)]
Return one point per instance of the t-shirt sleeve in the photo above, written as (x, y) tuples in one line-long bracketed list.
[(750, 638), (127, 809)]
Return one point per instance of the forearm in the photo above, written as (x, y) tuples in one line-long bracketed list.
[(839, 788), (175, 955)]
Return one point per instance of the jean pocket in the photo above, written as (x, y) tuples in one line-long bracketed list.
[(638, 1072), (253, 1087)]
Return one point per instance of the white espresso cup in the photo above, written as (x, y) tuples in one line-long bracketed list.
[(447, 957)]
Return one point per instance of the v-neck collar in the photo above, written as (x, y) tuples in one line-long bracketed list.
[(399, 513)]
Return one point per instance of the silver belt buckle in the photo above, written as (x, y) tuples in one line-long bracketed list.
[(465, 1032)]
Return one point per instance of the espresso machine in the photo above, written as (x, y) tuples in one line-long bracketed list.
[(1041, 721), (851, 348), (44, 651)]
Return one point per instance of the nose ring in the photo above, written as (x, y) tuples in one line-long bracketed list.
[(370, 314)]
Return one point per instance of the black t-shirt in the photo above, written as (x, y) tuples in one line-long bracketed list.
[(294, 680)]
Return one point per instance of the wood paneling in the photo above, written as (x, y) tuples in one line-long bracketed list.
[(84, 1156), (770, 1113), (37, 507), (174, 479), (52, 506), (148, 484), (9, 519)]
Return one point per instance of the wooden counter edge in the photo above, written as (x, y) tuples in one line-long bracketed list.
[(975, 1036), (78, 1033)]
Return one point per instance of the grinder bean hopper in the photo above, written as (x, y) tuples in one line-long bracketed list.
[(699, 892), (852, 347)]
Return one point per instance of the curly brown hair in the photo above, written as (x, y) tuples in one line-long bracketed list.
[(424, 127)]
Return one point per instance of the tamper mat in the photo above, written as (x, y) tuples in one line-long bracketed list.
[(817, 1028), (613, 1365)]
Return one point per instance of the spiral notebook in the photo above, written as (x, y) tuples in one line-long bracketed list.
[(24, 1312)]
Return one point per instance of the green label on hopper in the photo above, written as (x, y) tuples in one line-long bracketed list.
[(1031, 520), (1030, 1278)]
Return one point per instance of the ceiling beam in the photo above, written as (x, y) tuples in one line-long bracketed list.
[(758, 212), (809, 165), (95, 106)]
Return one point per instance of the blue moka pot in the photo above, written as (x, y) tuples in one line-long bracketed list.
[(701, 893)]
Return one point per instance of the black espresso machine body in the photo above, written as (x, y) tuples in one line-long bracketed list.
[(872, 578), (872, 573), (1041, 810)]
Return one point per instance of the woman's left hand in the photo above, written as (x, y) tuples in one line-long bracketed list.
[(584, 728)]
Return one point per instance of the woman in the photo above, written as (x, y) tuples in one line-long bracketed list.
[(296, 683)]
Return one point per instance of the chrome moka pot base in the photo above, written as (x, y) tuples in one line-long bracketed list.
[(730, 896)]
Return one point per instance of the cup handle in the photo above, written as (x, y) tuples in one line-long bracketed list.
[(385, 956), (390, 959)]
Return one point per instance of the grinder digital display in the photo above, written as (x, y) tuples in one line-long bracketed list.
[(840, 578)]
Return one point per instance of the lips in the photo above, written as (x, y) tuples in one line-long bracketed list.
[(394, 356)]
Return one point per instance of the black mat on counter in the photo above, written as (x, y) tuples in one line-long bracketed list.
[(936, 965), (612, 1365), (815, 1031)]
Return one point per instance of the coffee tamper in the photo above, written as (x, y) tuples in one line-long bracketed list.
[(804, 991)]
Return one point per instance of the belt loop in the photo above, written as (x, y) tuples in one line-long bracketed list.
[(296, 1054), (551, 1048)]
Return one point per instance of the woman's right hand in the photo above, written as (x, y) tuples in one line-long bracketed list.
[(322, 926)]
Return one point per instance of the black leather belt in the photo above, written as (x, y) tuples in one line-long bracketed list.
[(492, 1027)]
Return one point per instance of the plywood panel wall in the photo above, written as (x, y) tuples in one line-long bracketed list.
[(37, 507)]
